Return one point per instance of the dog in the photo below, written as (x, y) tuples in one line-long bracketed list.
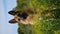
[(25, 16)]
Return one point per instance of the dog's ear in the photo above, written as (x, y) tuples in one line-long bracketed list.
[(12, 21), (12, 12)]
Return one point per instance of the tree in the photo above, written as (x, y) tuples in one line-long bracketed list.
[(47, 16)]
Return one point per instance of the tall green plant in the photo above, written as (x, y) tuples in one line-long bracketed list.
[(47, 20)]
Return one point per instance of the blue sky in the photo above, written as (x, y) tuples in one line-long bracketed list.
[(5, 27)]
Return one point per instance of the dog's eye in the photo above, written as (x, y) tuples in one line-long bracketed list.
[(23, 15)]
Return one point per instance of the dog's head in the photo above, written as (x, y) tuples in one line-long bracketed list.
[(24, 16)]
